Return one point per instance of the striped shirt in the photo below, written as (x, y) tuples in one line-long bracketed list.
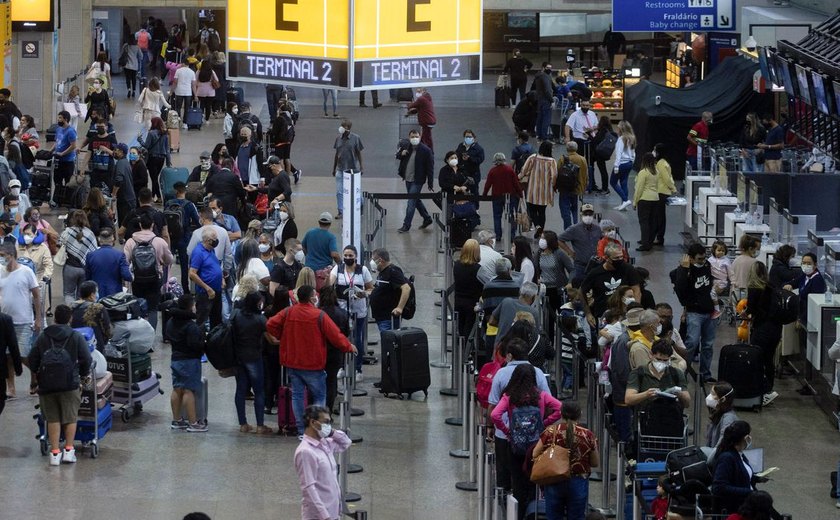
[(539, 173), (78, 249)]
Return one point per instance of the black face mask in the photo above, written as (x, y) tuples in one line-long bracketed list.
[(617, 264), (214, 243), (349, 262), (61, 123), (584, 110), (667, 327)]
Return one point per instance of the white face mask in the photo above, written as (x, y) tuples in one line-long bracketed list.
[(587, 219), (372, 266), (417, 95), (325, 431), (15, 191), (216, 213), (341, 130), (414, 141), (612, 234), (711, 402), (543, 244), (264, 248), (453, 162), (299, 256), (807, 268), (28, 238), (658, 327), (284, 216), (628, 301), (660, 366)]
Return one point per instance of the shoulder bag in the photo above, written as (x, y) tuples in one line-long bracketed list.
[(552, 465)]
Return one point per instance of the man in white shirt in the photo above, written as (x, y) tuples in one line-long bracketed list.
[(489, 255), (21, 296), (184, 89), (581, 128)]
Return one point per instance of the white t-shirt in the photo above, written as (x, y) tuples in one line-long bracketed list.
[(184, 78), (343, 280), (255, 267), (16, 290)]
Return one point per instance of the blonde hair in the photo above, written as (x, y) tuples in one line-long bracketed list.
[(758, 276), (470, 253), (247, 284), (305, 277), (627, 134)]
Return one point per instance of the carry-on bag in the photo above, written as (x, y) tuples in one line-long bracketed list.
[(502, 97), (741, 366), (405, 362), (194, 118)]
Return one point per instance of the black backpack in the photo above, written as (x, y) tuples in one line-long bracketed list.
[(520, 162), (567, 176), (784, 307), (220, 349), (606, 147), (57, 370), (144, 261), (411, 304), (286, 130), (214, 42), (173, 212)]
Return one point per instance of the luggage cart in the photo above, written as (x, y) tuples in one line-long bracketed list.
[(128, 393), (406, 121), (651, 448), (41, 188)]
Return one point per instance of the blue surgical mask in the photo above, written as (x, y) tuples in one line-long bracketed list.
[(132, 157), (469, 140)]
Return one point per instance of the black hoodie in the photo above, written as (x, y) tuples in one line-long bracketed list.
[(694, 288), (75, 345), (185, 336)]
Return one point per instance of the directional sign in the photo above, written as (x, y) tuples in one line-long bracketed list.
[(673, 15)]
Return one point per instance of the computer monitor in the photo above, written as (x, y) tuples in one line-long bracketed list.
[(803, 79), (776, 63), (820, 98), (767, 71)]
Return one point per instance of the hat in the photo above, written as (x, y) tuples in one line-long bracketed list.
[(14, 183), (633, 316), (587, 207), (122, 147), (204, 155), (272, 159), (607, 224), (325, 218)]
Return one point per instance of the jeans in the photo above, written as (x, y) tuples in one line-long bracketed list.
[(543, 119), (316, 382), (250, 376), (568, 209), (498, 207), (502, 463), (207, 308), (130, 79), (623, 419), (411, 188), (520, 483), (151, 292), (24, 334), (568, 378), (182, 104), (692, 161), (206, 105), (618, 180), (517, 85), (330, 93), (392, 324), (339, 191), (360, 340), (72, 277), (748, 163), (567, 500), (602, 168), (144, 63), (701, 334), (184, 262)]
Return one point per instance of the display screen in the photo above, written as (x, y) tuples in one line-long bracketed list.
[(764, 64), (776, 63), (522, 20), (32, 15), (790, 85), (802, 80), (820, 99)]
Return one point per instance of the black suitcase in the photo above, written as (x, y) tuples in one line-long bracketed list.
[(460, 230), (194, 118), (741, 366), (502, 97), (235, 95), (405, 362), (405, 95), (165, 312)]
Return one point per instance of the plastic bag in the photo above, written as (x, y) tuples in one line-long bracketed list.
[(676, 201), (117, 347)]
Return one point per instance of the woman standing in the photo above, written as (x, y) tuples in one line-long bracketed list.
[(32, 244), (812, 282), (555, 268), (151, 101), (328, 302), (249, 330), (523, 258), (251, 263), (227, 127), (765, 331), (721, 403), (569, 498), (97, 97), (467, 286), (157, 143), (501, 180), (604, 129), (645, 200), (28, 133), (78, 240), (204, 89), (267, 252), (286, 227), (353, 284), (540, 173), (782, 274), (133, 58), (221, 72), (625, 156), (97, 212), (451, 179), (752, 134), (139, 170), (666, 187)]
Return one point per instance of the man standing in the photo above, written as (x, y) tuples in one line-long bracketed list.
[(189, 222), (416, 169), (581, 128), (286, 271), (604, 280), (501, 287), (10, 364), (64, 149), (425, 110), (246, 118), (225, 220), (21, 300), (131, 222), (303, 331), (545, 96), (248, 157), (106, 266), (226, 187), (123, 189), (613, 42), (698, 135), (348, 156), (204, 170), (583, 237), (279, 189), (150, 259), (184, 87), (58, 377), (517, 67), (503, 315), (569, 197), (693, 286), (206, 273), (390, 293), (773, 144), (321, 247), (316, 467)]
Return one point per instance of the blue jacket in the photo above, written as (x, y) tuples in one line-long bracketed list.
[(424, 159), (108, 268), (732, 483)]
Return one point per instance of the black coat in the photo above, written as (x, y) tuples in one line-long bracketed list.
[(448, 179), (185, 336), (290, 230), (228, 188), (335, 357), (731, 483), (8, 341), (782, 274), (424, 159)]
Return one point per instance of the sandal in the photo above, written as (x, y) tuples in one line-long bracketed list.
[(246, 428)]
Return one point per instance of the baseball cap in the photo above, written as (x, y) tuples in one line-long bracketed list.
[(122, 147), (325, 218), (14, 183), (587, 207), (272, 159), (204, 155)]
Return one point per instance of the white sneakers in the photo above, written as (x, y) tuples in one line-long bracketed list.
[(66, 456), (55, 459), (623, 206), (769, 398)]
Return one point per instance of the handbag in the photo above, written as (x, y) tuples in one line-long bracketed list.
[(522, 220), (552, 465), (214, 82), (60, 258)]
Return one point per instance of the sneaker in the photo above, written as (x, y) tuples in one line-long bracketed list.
[(403, 230), (179, 425), (341, 374), (837, 505), (264, 430), (297, 175), (769, 398), (624, 205), (269, 411), (426, 223), (359, 377), (184, 127), (300, 437), (203, 358), (716, 314), (69, 456), (55, 458), (339, 216), (245, 428), (197, 427)]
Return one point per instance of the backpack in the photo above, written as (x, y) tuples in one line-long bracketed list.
[(526, 425), (28, 263), (485, 382), (144, 261), (57, 370), (122, 61), (784, 307), (411, 304), (567, 176), (606, 147), (286, 133), (520, 162), (214, 42), (173, 212), (220, 349)]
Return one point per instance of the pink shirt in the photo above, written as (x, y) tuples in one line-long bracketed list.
[(546, 401), (721, 270), (318, 474)]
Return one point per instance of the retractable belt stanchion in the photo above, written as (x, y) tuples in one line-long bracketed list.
[(591, 393), (455, 376), (463, 399), (558, 348), (506, 226), (605, 508), (481, 478), (349, 370), (485, 505), (575, 373), (476, 448), (498, 503), (344, 418), (438, 244), (699, 402), (619, 483), (443, 361)]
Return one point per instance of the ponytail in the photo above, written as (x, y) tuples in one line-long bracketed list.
[(570, 436)]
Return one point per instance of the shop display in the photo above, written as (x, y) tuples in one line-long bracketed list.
[(607, 87)]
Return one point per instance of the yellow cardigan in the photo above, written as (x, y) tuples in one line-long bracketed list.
[(646, 187)]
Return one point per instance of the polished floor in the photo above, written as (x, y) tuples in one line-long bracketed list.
[(147, 471)]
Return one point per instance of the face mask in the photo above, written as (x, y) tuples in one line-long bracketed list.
[(224, 153), (543, 244), (101, 131), (243, 138), (284, 216), (341, 130), (749, 442), (216, 213), (547, 71), (28, 238), (97, 86), (325, 431), (584, 110), (711, 402), (299, 256), (133, 157), (264, 248), (667, 327), (469, 140), (349, 262), (214, 243), (587, 219), (205, 165), (660, 366), (373, 266), (807, 268), (618, 264), (453, 162), (13, 211), (755, 254), (658, 327), (417, 95), (698, 266), (414, 141), (628, 301), (612, 234)]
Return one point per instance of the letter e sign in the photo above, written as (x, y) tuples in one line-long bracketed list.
[(412, 25), (282, 23)]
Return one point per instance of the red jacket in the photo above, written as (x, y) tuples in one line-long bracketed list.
[(425, 110), (303, 339)]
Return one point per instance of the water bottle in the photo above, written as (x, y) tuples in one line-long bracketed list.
[(765, 241), (749, 220), (757, 217), (738, 211), (829, 296)]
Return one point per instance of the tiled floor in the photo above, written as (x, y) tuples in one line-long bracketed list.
[(147, 471)]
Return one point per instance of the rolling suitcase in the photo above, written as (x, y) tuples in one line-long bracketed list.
[(141, 367), (460, 230), (168, 178), (200, 403), (174, 139), (286, 422), (141, 391), (741, 366), (104, 393), (194, 118), (405, 362), (502, 97)]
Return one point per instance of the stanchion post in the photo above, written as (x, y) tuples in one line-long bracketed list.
[(498, 503), (506, 226), (444, 316), (590, 393), (619, 483), (482, 469), (475, 441), (558, 348), (699, 401), (463, 420), (575, 373), (605, 508), (486, 502), (455, 375), (344, 422), (349, 381)]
